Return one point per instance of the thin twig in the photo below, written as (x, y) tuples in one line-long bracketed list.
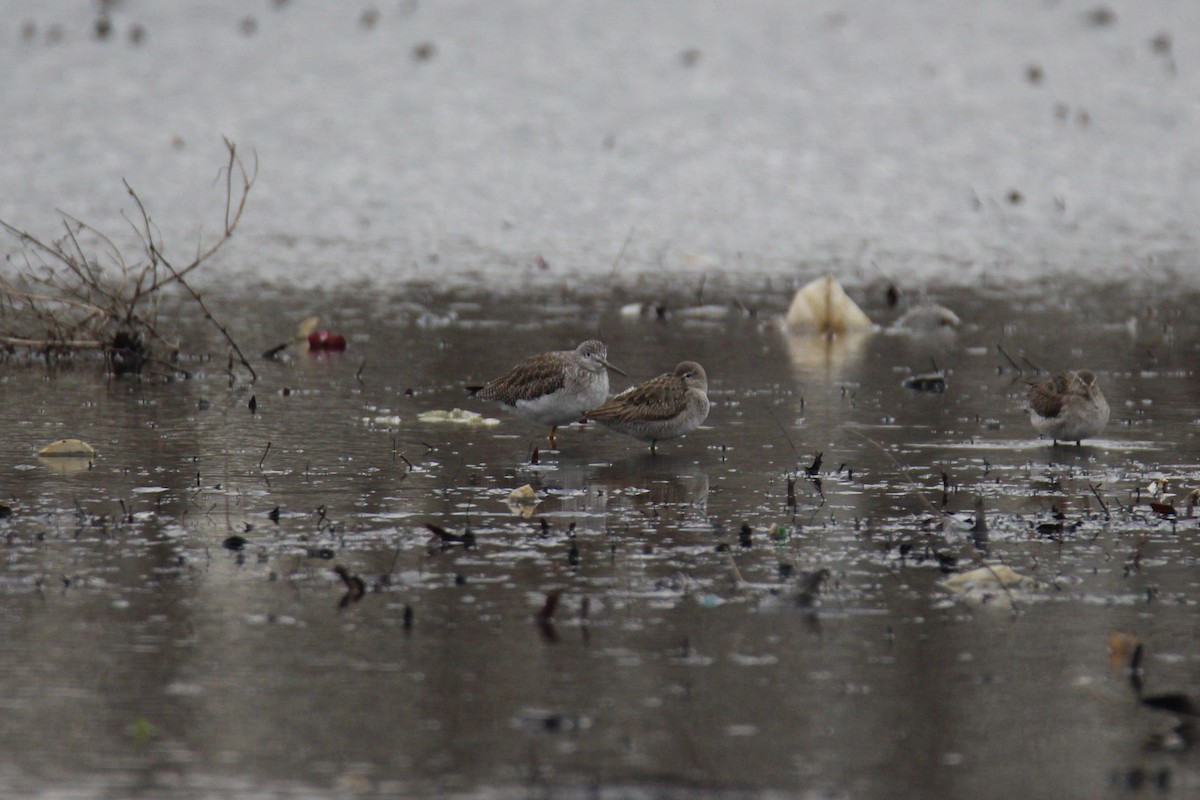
[(624, 244), (208, 315), (1103, 505), (912, 481)]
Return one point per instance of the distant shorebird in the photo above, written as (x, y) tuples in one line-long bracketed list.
[(553, 388), (1068, 406), (673, 404)]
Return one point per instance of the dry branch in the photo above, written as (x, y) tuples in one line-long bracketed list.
[(63, 299)]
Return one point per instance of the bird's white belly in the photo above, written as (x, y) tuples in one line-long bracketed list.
[(562, 407)]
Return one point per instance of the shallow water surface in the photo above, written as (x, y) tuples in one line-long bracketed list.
[(686, 656), (454, 186)]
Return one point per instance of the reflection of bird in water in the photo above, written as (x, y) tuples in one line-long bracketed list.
[(553, 388), (671, 405), (668, 488), (1068, 406)]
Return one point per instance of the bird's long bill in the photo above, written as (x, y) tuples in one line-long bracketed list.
[(614, 369)]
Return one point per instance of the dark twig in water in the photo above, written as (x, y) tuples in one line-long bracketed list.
[(358, 375), (208, 316), (264, 455), (912, 481), (1009, 359), (783, 430), (1096, 491), (814, 469), (467, 539), (356, 587)]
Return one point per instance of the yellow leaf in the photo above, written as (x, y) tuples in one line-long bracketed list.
[(306, 327), (523, 501), (67, 448)]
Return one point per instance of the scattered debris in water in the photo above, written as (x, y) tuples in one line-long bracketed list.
[(996, 585)]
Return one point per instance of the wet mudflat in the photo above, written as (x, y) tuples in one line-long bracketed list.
[(174, 625)]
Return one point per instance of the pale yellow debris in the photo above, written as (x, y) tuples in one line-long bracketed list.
[(457, 416), (822, 306), (523, 501), (68, 448), (307, 326)]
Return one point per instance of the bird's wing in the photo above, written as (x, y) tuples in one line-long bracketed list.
[(1046, 397), (658, 398), (534, 377)]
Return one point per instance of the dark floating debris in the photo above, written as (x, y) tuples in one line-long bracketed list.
[(253, 404), (234, 543), (448, 540), (323, 553), (932, 382), (745, 535), (275, 351), (126, 353), (1164, 510), (356, 587), (892, 296), (408, 617), (273, 515), (552, 721), (814, 469)]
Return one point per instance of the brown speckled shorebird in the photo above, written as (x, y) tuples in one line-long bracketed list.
[(553, 388), (673, 404), (1068, 406)]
